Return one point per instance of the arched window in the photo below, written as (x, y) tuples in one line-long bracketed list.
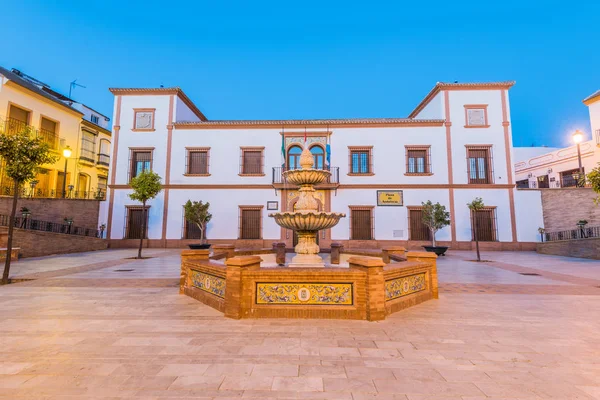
[(318, 157), (293, 157)]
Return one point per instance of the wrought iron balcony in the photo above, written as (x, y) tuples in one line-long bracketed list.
[(12, 126), (279, 181), (49, 137)]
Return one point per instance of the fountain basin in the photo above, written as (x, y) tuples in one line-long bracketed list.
[(307, 220), (306, 176)]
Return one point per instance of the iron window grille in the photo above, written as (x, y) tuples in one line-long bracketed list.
[(487, 226), (250, 222), (139, 160), (418, 160), (360, 160), (480, 164), (197, 161), (252, 161), (362, 224)]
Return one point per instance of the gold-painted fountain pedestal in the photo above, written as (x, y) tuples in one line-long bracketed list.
[(307, 220)]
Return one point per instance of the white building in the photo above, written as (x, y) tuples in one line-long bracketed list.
[(559, 168), (455, 146)]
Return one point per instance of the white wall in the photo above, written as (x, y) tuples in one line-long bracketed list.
[(461, 136), (120, 211), (529, 215), (183, 112), (525, 153), (434, 109), (491, 197)]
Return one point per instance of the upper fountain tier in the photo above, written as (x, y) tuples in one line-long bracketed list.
[(307, 175)]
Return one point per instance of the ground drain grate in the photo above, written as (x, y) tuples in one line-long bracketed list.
[(124, 270), (529, 274)]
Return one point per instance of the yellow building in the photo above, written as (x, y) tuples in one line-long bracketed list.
[(61, 122)]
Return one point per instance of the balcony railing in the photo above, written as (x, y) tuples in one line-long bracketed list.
[(104, 159), (45, 226), (28, 192), (13, 126), (333, 180), (573, 234), (597, 135)]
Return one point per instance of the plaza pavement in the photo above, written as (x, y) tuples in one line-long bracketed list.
[(101, 326)]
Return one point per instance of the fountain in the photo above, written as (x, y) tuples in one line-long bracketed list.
[(307, 221)]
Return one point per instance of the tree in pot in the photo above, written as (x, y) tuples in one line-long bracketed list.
[(475, 206), (146, 185), (196, 212), (435, 217), (23, 154)]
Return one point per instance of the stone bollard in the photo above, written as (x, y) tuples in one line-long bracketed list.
[(279, 248), (392, 250), (431, 260), (237, 303), (188, 256), (375, 285), (336, 250)]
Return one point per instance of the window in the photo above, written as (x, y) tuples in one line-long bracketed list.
[(483, 223), (88, 146), (94, 119), (60, 183), (543, 182), (133, 229), (102, 183), (251, 161), (197, 161), (48, 132), (570, 178), (361, 223), (83, 181), (523, 184), (190, 231), (293, 157), (104, 154), (417, 229), (18, 119), (250, 222), (141, 160), (318, 157), (476, 116), (418, 160), (479, 163), (361, 160), (143, 119)]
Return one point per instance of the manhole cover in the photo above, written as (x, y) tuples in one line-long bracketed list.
[(529, 274), (124, 270)]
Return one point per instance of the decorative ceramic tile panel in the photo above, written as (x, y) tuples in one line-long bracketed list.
[(299, 140), (304, 293), (209, 283), (404, 286)]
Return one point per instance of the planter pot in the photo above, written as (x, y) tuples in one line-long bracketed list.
[(197, 246), (438, 250)]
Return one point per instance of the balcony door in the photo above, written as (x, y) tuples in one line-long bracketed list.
[(18, 119), (293, 157)]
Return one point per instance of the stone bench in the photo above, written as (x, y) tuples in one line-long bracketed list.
[(14, 254)]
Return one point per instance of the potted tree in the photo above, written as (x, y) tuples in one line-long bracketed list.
[(435, 217), (196, 212)]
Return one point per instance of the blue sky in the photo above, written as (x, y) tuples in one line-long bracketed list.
[(316, 59)]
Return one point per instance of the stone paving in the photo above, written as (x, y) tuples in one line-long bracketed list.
[(85, 330)]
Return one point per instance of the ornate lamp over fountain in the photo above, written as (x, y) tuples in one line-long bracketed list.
[(307, 220)]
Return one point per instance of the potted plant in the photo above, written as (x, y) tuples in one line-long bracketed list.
[(196, 212), (435, 217)]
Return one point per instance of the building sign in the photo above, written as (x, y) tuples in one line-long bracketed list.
[(390, 198)]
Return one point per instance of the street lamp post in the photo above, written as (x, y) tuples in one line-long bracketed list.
[(66, 155), (578, 138)]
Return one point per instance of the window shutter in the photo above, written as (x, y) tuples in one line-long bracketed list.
[(252, 162), (250, 224), (486, 225), (418, 230), (361, 225)]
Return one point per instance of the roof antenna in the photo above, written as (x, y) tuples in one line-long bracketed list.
[(72, 86)]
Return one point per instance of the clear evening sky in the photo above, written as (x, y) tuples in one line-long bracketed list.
[(316, 59)]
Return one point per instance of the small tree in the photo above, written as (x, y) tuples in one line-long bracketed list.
[(435, 217), (145, 187), (23, 154), (593, 178), (197, 213), (475, 206)]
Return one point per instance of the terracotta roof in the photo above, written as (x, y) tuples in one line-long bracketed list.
[(24, 83), (309, 122), (459, 86), (170, 90), (592, 98)]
